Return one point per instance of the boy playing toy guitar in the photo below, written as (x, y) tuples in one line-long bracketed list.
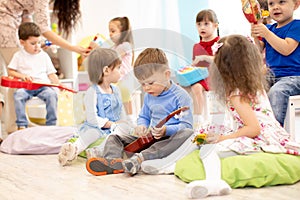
[(162, 97)]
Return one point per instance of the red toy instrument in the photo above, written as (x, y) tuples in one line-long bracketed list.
[(146, 141), (12, 82), (94, 40), (251, 10)]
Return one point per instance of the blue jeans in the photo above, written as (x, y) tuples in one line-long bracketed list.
[(47, 94), (279, 94)]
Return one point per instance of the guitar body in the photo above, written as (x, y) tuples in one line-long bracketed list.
[(146, 141), (140, 144), (17, 83)]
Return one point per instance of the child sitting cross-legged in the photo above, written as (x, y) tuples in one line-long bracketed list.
[(162, 97), (103, 105)]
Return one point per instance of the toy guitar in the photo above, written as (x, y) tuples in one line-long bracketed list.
[(146, 141), (11, 82)]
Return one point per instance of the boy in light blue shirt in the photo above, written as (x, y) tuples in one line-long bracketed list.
[(162, 97)]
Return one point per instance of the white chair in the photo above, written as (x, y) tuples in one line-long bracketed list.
[(293, 105), (36, 109)]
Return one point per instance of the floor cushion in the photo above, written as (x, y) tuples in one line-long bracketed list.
[(256, 170), (37, 140)]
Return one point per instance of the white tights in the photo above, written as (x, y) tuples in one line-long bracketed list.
[(213, 185)]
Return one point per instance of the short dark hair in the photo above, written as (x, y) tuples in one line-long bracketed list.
[(28, 29)]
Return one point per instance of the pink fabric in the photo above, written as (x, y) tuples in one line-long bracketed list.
[(37, 140)]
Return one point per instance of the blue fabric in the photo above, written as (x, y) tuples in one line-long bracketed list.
[(284, 65), (108, 106), (47, 94), (156, 108), (279, 95)]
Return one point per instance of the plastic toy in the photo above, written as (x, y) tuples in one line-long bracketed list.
[(189, 75), (200, 138)]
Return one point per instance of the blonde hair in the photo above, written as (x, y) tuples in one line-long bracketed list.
[(150, 61), (98, 59), (238, 64)]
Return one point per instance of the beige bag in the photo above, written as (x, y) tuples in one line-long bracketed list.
[(65, 111)]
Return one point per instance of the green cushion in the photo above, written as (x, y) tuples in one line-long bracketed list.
[(96, 143), (256, 170)]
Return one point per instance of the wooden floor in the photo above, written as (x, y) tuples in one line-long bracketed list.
[(40, 177)]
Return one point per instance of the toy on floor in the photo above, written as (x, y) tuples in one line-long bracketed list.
[(188, 75), (200, 139)]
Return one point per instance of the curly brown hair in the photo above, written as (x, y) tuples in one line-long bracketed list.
[(238, 64), (68, 13)]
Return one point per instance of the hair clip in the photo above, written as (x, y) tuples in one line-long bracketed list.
[(215, 47)]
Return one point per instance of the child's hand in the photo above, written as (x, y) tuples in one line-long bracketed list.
[(259, 30), (26, 78), (212, 138), (140, 131), (200, 58), (158, 132)]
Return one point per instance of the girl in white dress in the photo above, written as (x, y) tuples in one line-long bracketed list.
[(238, 81)]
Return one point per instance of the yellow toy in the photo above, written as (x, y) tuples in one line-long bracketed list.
[(200, 138)]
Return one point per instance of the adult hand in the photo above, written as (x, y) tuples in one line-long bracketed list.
[(158, 132), (81, 50), (93, 45)]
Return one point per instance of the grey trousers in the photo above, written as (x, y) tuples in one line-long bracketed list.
[(115, 144)]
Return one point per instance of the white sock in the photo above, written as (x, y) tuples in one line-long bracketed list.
[(213, 185), (204, 188), (211, 161), (167, 165)]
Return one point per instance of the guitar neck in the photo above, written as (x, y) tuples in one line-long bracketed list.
[(176, 112), (57, 85)]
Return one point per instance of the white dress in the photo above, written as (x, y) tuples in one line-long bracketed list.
[(272, 138)]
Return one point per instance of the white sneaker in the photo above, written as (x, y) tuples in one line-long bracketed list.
[(67, 154)]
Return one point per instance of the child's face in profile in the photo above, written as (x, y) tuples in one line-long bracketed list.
[(114, 31), (114, 74), (156, 84), (32, 45)]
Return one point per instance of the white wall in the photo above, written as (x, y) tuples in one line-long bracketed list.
[(158, 14), (172, 22), (142, 14)]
